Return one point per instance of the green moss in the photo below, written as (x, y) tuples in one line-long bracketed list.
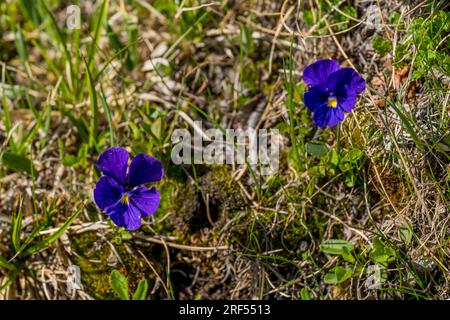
[(381, 45), (222, 178), (94, 276), (183, 204), (92, 258)]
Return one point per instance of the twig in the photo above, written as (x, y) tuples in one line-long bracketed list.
[(180, 246)]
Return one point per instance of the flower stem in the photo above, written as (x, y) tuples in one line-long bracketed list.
[(338, 138)]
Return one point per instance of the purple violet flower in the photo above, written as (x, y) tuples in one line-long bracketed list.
[(118, 192), (332, 91)]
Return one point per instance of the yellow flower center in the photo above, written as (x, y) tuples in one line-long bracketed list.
[(332, 102), (125, 199)]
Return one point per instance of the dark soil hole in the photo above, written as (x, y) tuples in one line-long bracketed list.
[(208, 210), (181, 276)]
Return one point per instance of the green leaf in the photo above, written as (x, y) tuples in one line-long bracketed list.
[(318, 171), (309, 18), (293, 159), (316, 149), (246, 40), (350, 160), (168, 8), (18, 163), (125, 235), (350, 179), (381, 253), (353, 156), (119, 283), (141, 291), (337, 275), (333, 157), (394, 18), (70, 160), (335, 246), (304, 294), (405, 233), (347, 255), (198, 296)]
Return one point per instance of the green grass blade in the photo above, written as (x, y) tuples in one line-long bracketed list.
[(20, 45), (29, 10), (184, 35), (289, 84), (41, 245), (132, 31), (98, 31), (6, 265), (94, 109), (6, 115), (16, 226), (108, 115), (408, 126), (78, 123), (59, 34)]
